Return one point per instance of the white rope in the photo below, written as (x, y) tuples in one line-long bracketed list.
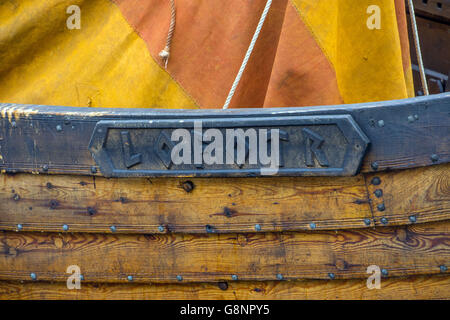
[(417, 45), (247, 55), (165, 53)]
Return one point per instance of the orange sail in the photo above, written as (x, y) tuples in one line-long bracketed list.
[(309, 52)]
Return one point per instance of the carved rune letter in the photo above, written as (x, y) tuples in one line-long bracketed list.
[(313, 146), (284, 136), (163, 149), (127, 148)]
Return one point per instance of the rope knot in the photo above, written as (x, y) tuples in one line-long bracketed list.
[(165, 53)]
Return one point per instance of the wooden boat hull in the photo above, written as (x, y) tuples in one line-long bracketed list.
[(193, 237)]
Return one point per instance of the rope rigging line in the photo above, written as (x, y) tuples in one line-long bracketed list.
[(247, 55), (423, 77)]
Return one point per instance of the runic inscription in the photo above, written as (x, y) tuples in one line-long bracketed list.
[(129, 158)]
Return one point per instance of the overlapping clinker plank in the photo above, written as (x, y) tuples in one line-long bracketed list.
[(215, 205), (94, 204), (410, 196), (345, 254), (415, 287)]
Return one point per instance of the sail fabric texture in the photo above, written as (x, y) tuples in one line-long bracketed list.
[(309, 52)]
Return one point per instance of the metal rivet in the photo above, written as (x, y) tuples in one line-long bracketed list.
[(381, 207), (412, 218), (384, 220), (65, 227), (374, 165), (434, 157), (367, 221), (378, 193), (381, 123), (113, 228), (93, 169), (179, 278), (257, 227), (161, 228), (331, 275), (130, 278), (13, 124), (280, 276), (188, 186), (443, 268), (45, 167), (376, 181), (58, 127), (234, 277), (33, 276), (81, 277), (223, 285), (384, 272), (209, 229), (410, 118), (19, 227), (312, 225)]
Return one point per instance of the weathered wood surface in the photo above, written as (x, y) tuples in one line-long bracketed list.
[(94, 204), (432, 10), (415, 287), (434, 40), (406, 250), (410, 196), (46, 139), (45, 203)]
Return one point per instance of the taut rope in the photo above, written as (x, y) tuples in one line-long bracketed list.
[(417, 45), (247, 55)]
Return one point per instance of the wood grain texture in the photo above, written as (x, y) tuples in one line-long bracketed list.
[(405, 250), (94, 204), (416, 287), (216, 205), (406, 197)]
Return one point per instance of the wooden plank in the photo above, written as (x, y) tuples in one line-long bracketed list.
[(45, 203), (416, 287), (47, 139), (432, 9), (88, 204), (406, 196), (434, 40), (406, 250)]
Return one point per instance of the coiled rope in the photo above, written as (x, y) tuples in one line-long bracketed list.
[(247, 55), (165, 53)]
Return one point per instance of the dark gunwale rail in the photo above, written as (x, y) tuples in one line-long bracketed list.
[(403, 134)]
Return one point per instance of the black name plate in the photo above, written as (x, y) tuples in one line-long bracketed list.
[(331, 145)]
